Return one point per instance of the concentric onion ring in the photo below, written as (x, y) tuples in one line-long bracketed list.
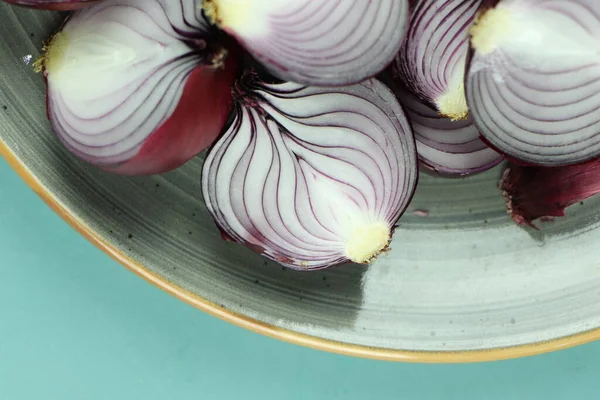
[(316, 42), (534, 81), (448, 148)]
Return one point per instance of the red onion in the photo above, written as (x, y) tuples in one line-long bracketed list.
[(541, 192), (316, 42), (58, 5), (446, 147), (135, 88), (312, 176), (534, 81), (433, 57)]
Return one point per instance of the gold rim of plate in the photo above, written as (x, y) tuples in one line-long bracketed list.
[(273, 331)]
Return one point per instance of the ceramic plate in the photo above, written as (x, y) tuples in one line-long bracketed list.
[(463, 284)]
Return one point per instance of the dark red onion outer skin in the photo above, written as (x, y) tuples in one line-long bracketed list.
[(437, 168), (537, 192), (55, 5), (206, 104)]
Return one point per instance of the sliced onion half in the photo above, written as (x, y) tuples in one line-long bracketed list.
[(318, 42), (433, 57), (58, 5), (534, 81), (312, 177), (134, 87), (446, 147)]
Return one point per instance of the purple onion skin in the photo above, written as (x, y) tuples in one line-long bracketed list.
[(537, 193), (55, 5)]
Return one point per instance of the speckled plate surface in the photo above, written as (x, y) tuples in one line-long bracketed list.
[(463, 284)]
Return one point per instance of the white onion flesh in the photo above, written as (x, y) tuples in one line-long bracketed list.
[(312, 177), (433, 57), (534, 81), (317, 42)]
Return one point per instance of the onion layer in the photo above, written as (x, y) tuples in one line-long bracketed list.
[(58, 5), (445, 147), (316, 42), (310, 176), (133, 88), (433, 57), (534, 81)]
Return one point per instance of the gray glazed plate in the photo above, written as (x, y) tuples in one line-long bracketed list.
[(463, 284)]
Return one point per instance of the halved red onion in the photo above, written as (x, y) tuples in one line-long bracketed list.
[(58, 5), (534, 81), (311, 176), (433, 57), (133, 87), (446, 147), (317, 42), (545, 192)]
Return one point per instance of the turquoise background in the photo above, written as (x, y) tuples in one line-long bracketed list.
[(76, 325)]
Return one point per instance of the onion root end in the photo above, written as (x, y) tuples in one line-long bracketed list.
[(489, 28), (211, 11), (367, 243), (453, 104), (52, 53)]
